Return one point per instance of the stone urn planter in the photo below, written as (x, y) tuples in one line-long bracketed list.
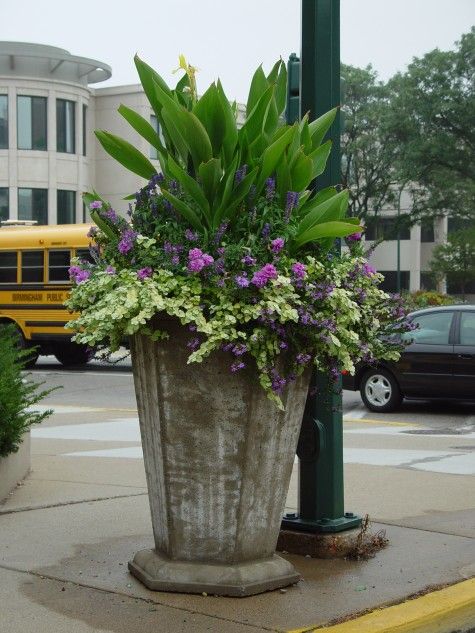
[(218, 460)]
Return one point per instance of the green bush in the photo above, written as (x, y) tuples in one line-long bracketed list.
[(427, 298), (17, 393)]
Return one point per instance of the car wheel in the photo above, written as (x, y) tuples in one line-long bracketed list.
[(380, 391)]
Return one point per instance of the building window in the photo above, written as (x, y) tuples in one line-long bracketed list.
[(455, 286), (385, 228), (31, 125), (458, 224), (65, 126), (389, 283), (84, 129), (32, 267), (66, 207), (3, 122), (4, 207), (33, 205), (427, 230), (428, 281)]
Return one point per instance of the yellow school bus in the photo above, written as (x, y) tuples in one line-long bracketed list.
[(34, 283)]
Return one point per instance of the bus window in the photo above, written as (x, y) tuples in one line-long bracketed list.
[(58, 265), (32, 267), (85, 255), (8, 267)]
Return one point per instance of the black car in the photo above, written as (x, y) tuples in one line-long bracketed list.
[(439, 362)]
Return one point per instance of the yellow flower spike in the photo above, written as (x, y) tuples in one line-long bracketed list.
[(191, 72)]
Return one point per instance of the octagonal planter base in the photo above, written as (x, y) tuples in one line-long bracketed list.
[(159, 573)]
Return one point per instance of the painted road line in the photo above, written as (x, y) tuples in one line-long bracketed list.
[(72, 408), (408, 431), (444, 611), (452, 465), (393, 457), (387, 423), (126, 452), (117, 430)]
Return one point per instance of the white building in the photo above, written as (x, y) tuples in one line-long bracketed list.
[(49, 154)]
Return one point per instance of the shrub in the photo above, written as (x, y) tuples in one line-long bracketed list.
[(17, 393), (427, 298)]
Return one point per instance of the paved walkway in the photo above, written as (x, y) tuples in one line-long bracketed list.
[(68, 532)]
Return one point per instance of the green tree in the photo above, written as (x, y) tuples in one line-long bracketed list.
[(431, 120), (456, 258), (367, 147)]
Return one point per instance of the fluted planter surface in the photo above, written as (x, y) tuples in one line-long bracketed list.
[(218, 459)]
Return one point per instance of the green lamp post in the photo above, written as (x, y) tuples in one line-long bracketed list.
[(320, 450)]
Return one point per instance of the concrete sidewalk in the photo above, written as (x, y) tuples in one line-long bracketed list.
[(67, 534)]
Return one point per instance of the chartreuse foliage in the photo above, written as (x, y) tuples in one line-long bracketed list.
[(204, 148)]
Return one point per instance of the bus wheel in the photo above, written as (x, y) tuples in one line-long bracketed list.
[(73, 353), (33, 352)]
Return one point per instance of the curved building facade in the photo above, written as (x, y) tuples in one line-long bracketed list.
[(46, 122)]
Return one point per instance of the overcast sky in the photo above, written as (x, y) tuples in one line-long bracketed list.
[(230, 39)]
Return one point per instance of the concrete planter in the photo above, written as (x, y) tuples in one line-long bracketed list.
[(218, 459), (15, 467)]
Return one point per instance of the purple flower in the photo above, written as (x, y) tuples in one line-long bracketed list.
[(79, 275), (354, 237), (190, 235), (368, 270), (110, 270), (240, 174), (194, 343), (195, 253), (299, 270), (262, 276), (270, 188), (277, 383), (265, 230), (302, 359), (277, 245), (197, 260), (239, 349), (175, 260), (92, 232), (248, 260), (291, 202), (97, 204), (196, 265), (207, 259), (127, 242), (111, 215), (143, 273), (220, 232), (241, 281), (237, 365)]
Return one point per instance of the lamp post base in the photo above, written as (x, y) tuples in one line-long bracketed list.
[(346, 522)]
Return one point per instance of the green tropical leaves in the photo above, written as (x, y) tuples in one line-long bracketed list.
[(204, 148)]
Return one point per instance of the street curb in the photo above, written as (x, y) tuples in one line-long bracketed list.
[(443, 611)]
